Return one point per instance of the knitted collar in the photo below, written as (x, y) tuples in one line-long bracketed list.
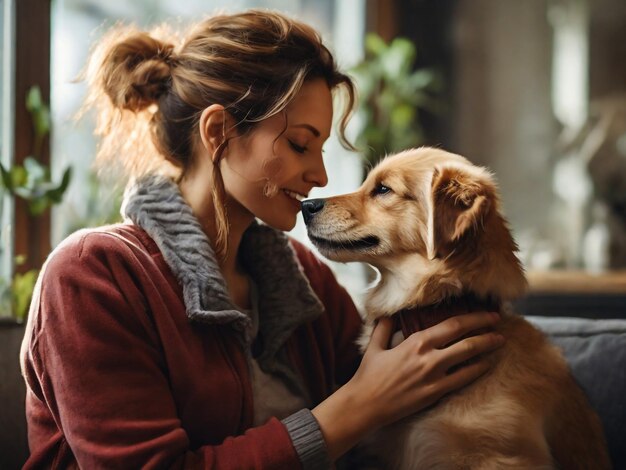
[(420, 317), (286, 299)]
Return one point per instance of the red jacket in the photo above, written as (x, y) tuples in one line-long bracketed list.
[(118, 376)]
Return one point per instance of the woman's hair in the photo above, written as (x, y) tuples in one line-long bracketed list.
[(150, 92)]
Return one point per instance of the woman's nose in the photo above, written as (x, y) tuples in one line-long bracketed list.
[(317, 174)]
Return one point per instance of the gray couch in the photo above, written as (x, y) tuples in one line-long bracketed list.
[(596, 353)]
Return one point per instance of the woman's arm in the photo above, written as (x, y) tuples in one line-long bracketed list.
[(97, 376)]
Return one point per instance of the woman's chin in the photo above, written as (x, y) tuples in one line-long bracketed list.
[(282, 222)]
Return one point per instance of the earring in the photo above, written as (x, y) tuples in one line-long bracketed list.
[(270, 189), (271, 168)]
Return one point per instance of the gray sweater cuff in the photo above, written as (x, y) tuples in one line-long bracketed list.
[(308, 441)]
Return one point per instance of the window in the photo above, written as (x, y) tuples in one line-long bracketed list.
[(25, 63), (6, 132)]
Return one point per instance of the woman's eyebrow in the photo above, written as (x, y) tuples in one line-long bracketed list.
[(315, 132)]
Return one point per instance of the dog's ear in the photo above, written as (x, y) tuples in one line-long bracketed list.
[(460, 203)]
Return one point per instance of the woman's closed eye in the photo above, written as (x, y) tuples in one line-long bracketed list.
[(296, 147)]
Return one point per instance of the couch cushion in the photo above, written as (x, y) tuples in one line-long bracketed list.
[(596, 353)]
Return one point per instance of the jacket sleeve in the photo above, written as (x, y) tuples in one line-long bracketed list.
[(93, 358)]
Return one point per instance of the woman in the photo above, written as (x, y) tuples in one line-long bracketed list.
[(192, 335)]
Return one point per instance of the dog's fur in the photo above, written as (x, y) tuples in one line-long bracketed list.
[(439, 233)]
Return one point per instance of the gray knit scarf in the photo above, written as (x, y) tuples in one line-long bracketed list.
[(286, 299)]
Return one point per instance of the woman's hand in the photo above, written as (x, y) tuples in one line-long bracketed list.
[(414, 374), (393, 383)]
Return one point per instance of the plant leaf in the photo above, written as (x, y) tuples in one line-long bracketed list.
[(375, 45), (391, 96), (36, 171), (38, 205), (56, 194), (39, 111), (399, 59), (7, 181), (23, 286), (33, 99)]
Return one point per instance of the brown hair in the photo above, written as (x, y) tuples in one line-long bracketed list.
[(150, 94)]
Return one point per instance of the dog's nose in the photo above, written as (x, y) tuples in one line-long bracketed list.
[(310, 207)]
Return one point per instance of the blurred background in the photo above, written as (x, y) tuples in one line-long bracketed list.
[(534, 89)]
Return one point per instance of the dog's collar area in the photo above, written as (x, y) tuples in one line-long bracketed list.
[(420, 317)]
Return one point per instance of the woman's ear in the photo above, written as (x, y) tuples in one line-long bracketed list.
[(215, 126)]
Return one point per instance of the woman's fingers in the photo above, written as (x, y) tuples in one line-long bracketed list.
[(468, 348), (460, 377), (399, 381), (452, 329), (381, 334)]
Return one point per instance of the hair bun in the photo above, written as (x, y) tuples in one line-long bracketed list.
[(137, 71)]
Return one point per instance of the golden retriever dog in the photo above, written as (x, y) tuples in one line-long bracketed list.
[(430, 222)]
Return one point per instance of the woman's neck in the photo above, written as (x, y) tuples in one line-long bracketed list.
[(195, 193)]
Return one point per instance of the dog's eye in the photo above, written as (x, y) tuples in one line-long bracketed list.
[(380, 189)]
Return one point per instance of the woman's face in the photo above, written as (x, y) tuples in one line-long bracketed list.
[(267, 171)]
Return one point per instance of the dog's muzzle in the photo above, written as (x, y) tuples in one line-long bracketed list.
[(310, 207)]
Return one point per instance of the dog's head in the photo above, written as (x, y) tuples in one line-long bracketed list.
[(426, 218)]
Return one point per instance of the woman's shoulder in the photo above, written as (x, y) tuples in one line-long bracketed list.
[(97, 244)]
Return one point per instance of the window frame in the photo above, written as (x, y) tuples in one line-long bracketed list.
[(31, 234)]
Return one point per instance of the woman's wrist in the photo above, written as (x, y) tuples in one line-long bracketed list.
[(344, 419), (307, 439)]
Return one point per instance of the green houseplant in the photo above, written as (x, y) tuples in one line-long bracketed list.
[(391, 95), (31, 182)]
